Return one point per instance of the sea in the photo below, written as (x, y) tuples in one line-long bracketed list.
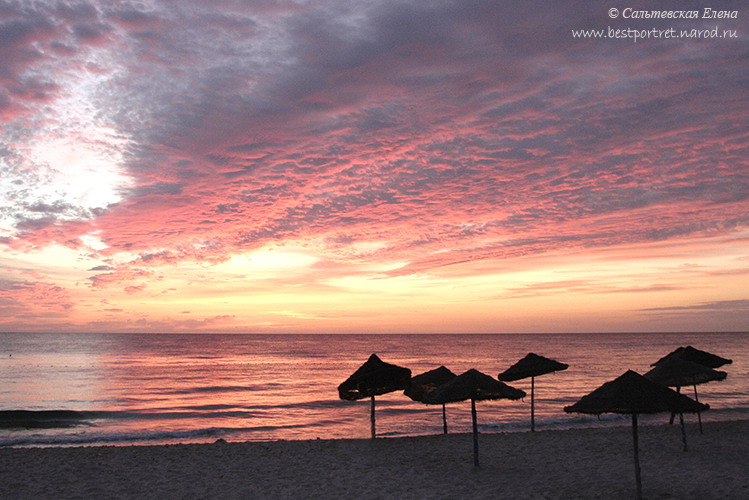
[(142, 389)]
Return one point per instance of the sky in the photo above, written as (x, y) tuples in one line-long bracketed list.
[(371, 167)]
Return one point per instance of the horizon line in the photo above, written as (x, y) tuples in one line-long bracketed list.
[(704, 332)]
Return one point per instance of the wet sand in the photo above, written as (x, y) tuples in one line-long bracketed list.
[(586, 463)]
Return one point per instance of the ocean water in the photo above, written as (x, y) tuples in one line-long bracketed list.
[(87, 389)]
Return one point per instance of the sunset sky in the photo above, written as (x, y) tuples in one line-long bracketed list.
[(370, 166)]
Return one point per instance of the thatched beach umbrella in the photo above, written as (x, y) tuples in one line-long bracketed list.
[(373, 378), (677, 372), (532, 365), (473, 385), (704, 358), (421, 385), (689, 353), (631, 393)]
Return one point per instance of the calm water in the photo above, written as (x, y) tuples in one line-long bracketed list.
[(141, 389)]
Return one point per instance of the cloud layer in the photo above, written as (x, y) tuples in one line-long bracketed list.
[(407, 135)]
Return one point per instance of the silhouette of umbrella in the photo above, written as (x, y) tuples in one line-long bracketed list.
[(678, 372), (473, 385), (421, 385), (631, 393), (689, 353), (532, 365), (705, 358), (373, 378)]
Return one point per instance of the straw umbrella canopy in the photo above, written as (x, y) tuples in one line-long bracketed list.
[(678, 372), (373, 378), (532, 365), (689, 353), (704, 358), (421, 385), (473, 385), (631, 393)]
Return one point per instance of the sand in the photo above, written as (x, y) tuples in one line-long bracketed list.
[(587, 463)]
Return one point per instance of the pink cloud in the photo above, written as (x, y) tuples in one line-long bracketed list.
[(133, 289), (33, 304), (450, 133), (121, 275)]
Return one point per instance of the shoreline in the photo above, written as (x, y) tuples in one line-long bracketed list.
[(578, 463)]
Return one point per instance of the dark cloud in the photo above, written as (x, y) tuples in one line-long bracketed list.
[(134, 18), (430, 125), (158, 188), (88, 33), (57, 207), (76, 12), (32, 224), (19, 31), (722, 305)]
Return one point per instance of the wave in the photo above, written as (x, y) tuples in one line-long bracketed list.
[(41, 419), (221, 388), (51, 419), (556, 423), (105, 438), (152, 437)]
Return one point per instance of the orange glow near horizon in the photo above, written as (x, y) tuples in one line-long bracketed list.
[(630, 288)]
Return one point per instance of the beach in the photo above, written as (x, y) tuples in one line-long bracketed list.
[(580, 463)]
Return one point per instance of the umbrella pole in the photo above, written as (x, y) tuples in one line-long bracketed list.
[(699, 415), (444, 419), (671, 420), (683, 431), (372, 417), (637, 456), (475, 434), (533, 410)]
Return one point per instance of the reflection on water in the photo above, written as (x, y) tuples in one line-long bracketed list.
[(195, 388), (41, 371)]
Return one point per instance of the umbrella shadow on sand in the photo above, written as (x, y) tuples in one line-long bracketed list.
[(632, 394), (371, 379)]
